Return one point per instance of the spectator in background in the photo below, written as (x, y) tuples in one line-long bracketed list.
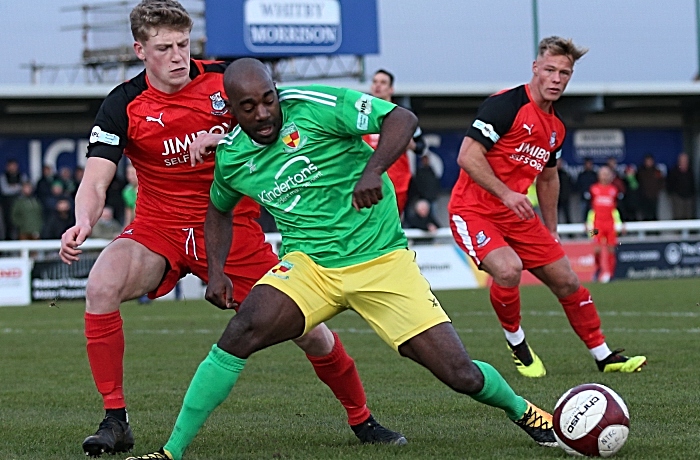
[(107, 227), (77, 178), (630, 204), (65, 175), (43, 185), (651, 182), (114, 197), (61, 220), (421, 216), (566, 185), (617, 180), (28, 214), (57, 194), (681, 188), (585, 179), (10, 188), (425, 183), (129, 193)]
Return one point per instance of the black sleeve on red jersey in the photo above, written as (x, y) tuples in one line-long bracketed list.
[(215, 66), (108, 137), (552, 162), (496, 115)]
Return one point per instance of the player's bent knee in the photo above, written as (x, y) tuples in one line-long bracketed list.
[(318, 341), (465, 379), (101, 297)]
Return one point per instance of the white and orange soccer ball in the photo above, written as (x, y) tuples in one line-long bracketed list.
[(591, 420)]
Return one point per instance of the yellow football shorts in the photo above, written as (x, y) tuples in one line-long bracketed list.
[(389, 292)]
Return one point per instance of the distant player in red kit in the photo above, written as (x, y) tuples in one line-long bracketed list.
[(156, 119), (603, 223), (400, 171), (515, 138)]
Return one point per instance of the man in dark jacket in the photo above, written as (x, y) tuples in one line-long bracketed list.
[(681, 188)]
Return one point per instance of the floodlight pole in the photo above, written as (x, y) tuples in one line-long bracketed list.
[(536, 25), (697, 35)]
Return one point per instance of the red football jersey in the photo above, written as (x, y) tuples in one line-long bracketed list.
[(154, 130), (603, 203), (521, 140), (399, 172)]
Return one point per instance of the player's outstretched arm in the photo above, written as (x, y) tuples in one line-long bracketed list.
[(218, 228), (205, 144), (397, 131), (89, 201), (472, 159)]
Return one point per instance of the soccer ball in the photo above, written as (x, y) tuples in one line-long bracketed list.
[(591, 420)]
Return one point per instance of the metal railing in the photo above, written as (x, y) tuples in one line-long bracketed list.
[(634, 231)]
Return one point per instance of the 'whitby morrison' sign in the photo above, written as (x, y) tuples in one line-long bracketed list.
[(291, 27)]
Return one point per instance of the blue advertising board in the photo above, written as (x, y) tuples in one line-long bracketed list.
[(33, 152), (281, 28), (627, 146), (671, 259), (665, 144)]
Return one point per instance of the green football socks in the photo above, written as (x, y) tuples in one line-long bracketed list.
[(210, 386), (498, 393)]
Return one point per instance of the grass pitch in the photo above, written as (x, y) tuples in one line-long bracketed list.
[(279, 410)]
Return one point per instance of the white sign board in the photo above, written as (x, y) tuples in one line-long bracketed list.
[(15, 278), (445, 267)]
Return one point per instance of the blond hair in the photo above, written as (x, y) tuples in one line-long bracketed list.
[(558, 46), (154, 14)]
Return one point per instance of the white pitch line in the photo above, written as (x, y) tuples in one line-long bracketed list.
[(352, 330), (526, 312)]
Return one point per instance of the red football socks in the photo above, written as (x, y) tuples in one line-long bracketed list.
[(506, 303), (338, 371), (105, 349), (583, 317)]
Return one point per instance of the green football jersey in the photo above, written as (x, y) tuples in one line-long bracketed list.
[(306, 178)]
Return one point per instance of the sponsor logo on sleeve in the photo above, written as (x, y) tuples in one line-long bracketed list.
[(364, 104), (553, 139), (487, 130), (362, 122), (97, 135)]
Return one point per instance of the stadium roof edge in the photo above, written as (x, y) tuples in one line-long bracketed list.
[(422, 89)]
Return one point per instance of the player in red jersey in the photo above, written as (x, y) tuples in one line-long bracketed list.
[(154, 119), (515, 138), (603, 222), (400, 171)]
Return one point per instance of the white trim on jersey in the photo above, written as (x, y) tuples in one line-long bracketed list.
[(313, 96), (309, 93), (228, 138), (463, 232)]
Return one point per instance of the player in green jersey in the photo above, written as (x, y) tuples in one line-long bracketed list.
[(298, 152)]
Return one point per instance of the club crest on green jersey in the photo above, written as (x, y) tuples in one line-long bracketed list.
[(292, 139)]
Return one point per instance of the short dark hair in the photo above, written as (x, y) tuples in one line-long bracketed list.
[(154, 14), (388, 74)]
